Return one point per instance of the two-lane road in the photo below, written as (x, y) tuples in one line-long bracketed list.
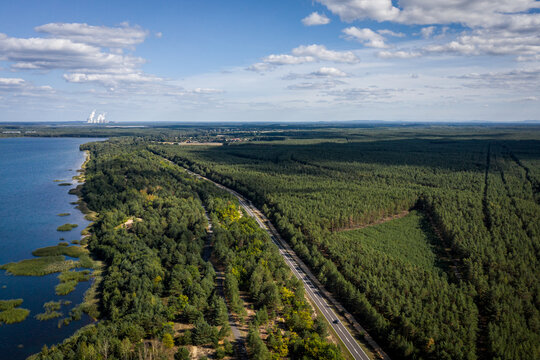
[(316, 293)]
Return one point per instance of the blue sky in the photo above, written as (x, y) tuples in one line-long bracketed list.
[(323, 60)]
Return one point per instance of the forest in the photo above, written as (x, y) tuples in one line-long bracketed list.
[(157, 293), (461, 205)]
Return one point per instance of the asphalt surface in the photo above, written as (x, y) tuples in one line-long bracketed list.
[(314, 290)]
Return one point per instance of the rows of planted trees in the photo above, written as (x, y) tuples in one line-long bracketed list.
[(479, 199)]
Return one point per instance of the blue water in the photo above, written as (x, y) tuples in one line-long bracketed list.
[(29, 203)]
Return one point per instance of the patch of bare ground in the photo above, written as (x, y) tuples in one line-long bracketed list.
[(376, 222), (195, 351), (243, 324), (238, 334), (128, 224)]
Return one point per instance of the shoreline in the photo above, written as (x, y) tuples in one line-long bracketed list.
[(90, 300), (52, 159), (81, 204)]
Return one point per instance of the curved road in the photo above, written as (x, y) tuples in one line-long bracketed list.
[(314, 289)]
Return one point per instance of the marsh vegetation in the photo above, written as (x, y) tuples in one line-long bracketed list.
[(67, 227)]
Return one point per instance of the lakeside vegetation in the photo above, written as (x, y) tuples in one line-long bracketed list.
[(39, 266), (69, 280), (10, 304), (61, 249), (51, 310), (66, 227), (63, 214), (10, 312)]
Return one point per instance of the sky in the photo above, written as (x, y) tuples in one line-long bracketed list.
[(279, 60)]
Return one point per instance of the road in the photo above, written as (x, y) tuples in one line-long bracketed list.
[(314, 289)]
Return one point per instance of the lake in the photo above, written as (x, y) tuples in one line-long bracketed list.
[(30, 202)]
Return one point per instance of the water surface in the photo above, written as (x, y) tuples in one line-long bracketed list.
[(29, 203)]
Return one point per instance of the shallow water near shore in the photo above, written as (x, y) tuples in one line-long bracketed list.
[(30, 202)]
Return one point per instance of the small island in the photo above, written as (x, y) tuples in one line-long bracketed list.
[(60, 249), (10, 312), (39, 266), (66, 227), (70, 279), (51, 310)]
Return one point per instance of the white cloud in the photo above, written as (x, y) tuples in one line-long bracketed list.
[(529, 58), (328, 84), (471, 13), (122, 36), (207, 91), (366, 36), (17, 87), (323, 72), (287, 59), (80, 51), (349, 10), (495, 27), (110, 79), (260, 67), (400, 54), (329, 72), (320, 52), (427, 32), (492, 42), (315, 19), (518, 79), (8, 82), (391, 33), (49, 54), (304, 54), (369, 94)]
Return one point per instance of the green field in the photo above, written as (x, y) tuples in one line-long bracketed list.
[(409, 239)]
